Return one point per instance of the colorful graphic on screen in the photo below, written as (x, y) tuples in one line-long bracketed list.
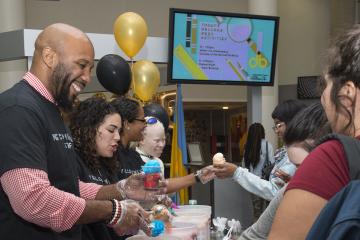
[(207, 47)]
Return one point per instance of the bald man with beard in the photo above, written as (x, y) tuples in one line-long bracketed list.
[(40, 195)]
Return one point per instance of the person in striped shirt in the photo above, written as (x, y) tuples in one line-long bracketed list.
[(40, 194)]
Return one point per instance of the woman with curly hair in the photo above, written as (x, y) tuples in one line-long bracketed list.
[(95, 127)]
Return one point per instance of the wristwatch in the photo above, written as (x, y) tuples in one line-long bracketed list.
[(196, 175)]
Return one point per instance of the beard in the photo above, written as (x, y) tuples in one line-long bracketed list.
[(61, 82)]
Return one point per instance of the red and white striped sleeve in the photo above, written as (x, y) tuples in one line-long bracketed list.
[(88, 191), (33, 198)]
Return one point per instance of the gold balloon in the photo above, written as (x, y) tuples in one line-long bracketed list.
[(146, 77), (130, 31)]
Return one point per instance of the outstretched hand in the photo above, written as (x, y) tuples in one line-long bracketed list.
[(133, 188), (206, 174), (225, 170)]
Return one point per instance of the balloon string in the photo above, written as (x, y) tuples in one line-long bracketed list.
[(132, 74)]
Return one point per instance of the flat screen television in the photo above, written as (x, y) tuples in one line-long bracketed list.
[(221, 48)]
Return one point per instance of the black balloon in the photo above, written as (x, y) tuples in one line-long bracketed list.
[(114, 74), (156, 110)]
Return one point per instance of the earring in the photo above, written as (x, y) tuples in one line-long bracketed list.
[(128, 128)]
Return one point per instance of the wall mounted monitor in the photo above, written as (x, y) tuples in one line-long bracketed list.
[(221, 48)]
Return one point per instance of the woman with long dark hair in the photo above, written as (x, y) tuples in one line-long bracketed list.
[(257, 149), (258, 153)]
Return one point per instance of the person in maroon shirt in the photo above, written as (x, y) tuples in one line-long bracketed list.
[(325, 171)]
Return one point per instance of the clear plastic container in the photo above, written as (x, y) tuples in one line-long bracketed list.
[(144, 237), (196, 209), (183, 230), (196, 214)]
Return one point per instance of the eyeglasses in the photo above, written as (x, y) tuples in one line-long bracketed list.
[(140, 120), (151, 120), (277, 126)]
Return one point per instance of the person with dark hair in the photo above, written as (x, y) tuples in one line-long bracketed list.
[(134, 124), (301, 135), (257, 149), (325, 170), (41, 196), (282, 115), (258, 152), (284, 112), (95, 127), (282, 169)]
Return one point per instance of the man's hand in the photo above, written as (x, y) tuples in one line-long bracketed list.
[(133, 188), (131, 221)]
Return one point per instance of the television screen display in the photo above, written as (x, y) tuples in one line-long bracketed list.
[(221, 48)]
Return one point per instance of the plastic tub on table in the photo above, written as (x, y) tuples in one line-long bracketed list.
[(144, 237), (178, 231), (197, 214)]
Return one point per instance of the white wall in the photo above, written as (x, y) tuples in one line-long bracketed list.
[(303, 37), (98, 17)]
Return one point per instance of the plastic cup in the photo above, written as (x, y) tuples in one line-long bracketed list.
[(151, 180), (152, 177)]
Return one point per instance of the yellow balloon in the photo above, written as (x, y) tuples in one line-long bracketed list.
[(146, 77), (130, 31)]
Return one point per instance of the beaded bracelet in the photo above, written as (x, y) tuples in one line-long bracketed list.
[(113, 211), (117, 213), (123, 212)]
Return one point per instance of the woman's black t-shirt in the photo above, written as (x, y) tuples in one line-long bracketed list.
[(99, 230), (130, 162)]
